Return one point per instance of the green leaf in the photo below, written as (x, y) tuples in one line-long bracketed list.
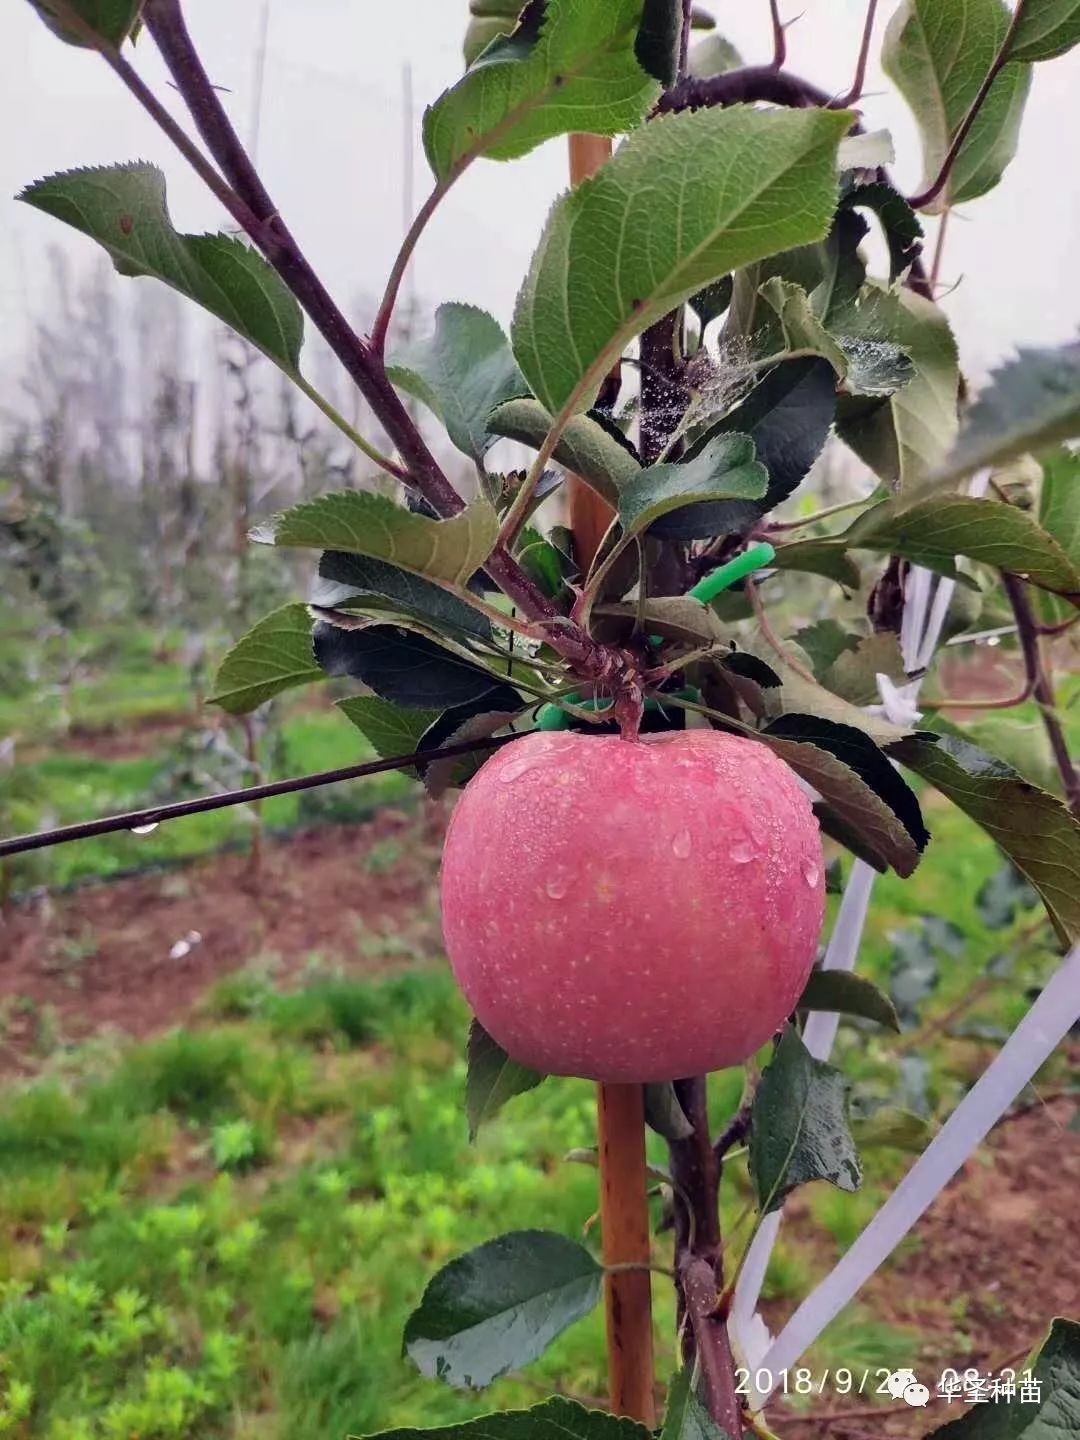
[(857, 782), (492, 1078), (802, 695), (841, 993), (1052, 1415), (934, 531), (825, 556), (899, 222), (868, 365), (938, 53), (123, 208), (585, 447), (110, 20), (673, 617), (556, 1419), (892, 1128), (725, 469), (659, 39), (712, 55), (823, 643), (788, 415), (1059, 516), (568, 66), (391, 729), (1031, 404), (274, 656), (1046, 28), (462, 371), (361, 523), (1035, 829), (853, 674), (906, 437), (686, 1417), (544, 561), (664, 1114), (346, 581), (1059, 501), (798, 1127), (500, 1306), (684, 200), (402, 666)]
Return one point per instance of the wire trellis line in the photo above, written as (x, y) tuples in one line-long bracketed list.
[(145, 820)]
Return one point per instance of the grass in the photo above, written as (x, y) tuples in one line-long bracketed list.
[(222, 1232)]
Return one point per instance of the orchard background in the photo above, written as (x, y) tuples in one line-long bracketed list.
[(232, 1141)]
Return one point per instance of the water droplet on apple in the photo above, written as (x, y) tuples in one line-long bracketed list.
[(742, 852), (681, 846), (556, 887), (811, 873), (144, 829)]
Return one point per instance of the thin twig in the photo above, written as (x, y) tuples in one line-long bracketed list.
[(1042, 688), (779, 38), (774, 641), (1061, 627), (385, 313), (1001, 59), (138, 819), (826, 513), (1007, 702), (855, 93)]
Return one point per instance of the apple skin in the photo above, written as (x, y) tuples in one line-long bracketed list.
[(632, 910)]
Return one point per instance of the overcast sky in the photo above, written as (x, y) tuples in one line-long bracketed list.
[(332, 150)]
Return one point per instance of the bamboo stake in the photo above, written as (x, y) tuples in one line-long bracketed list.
[(624, 1219), (620, 1109)]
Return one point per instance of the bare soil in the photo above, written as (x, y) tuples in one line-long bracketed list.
[(362, 897)]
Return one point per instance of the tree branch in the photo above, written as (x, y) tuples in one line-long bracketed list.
[(779, 38), (135, 820), (735, 87), (711, 1344), (855, 93), (1042, 688), (1001, 59)]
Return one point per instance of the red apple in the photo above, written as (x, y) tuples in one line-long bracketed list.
[(632, 910)]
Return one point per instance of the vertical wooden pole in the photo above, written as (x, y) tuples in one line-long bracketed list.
[(620, 1109), (624, 1218)]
